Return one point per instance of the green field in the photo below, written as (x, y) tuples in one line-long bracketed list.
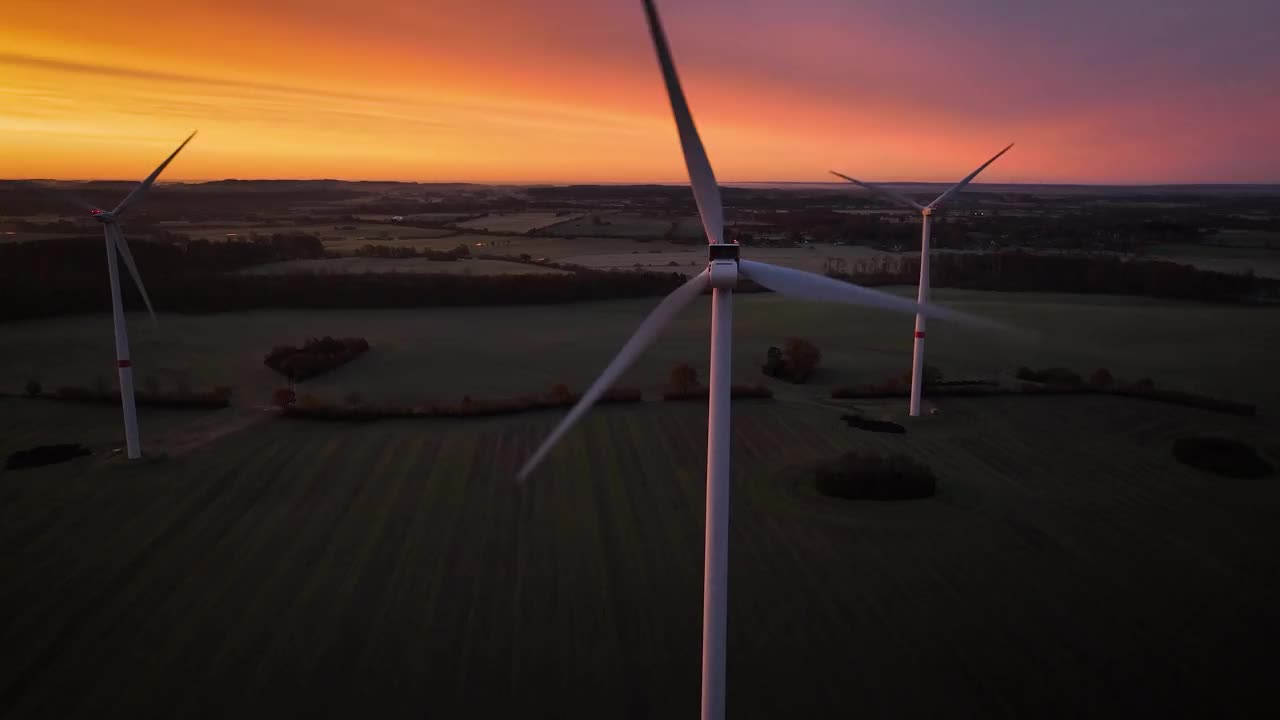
[(626, 224), (333, 232), (417, 354), (263, 566), (1239, 259), (691, 259), (517, 222), (348, 265), (394, 569)]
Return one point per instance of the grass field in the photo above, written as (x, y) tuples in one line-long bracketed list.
[(517, 222), (349, 265), (394, 570), (812, 258), (443, 353), (626, 224), (332, 232), (1258, 260)]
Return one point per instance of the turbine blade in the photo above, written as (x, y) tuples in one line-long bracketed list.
[(882, 190), (146, 184), (960, 185), (808, 286), (644, 336), (706, 193), (118, 237)]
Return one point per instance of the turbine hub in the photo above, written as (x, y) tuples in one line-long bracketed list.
[(101, 216), (723, 265), (927, 212)]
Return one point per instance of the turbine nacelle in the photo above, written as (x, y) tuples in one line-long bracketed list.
[(928, 211), (723, 265), (103, 216)]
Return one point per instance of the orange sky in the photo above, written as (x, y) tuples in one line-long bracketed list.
[(568, 90)]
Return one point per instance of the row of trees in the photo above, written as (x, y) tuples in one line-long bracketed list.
[(69, 278), (1017, 271)]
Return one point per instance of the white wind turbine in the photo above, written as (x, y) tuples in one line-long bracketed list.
[(116, 244), (926, 214), (721, 275)]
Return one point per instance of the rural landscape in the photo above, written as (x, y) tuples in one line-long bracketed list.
[(268, 545), (315, 447)]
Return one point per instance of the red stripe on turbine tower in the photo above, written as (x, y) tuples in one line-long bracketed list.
[(124, 363), (919, 333)]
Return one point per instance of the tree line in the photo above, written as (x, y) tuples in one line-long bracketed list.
[(1019, 271)]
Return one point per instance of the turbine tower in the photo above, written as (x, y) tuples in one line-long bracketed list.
[(724, 268), (926, 214), (116, 244)]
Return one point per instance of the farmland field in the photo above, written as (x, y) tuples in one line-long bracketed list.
[(336, 231), (551, 248), (417, 354), (517, 222), (626, 224), (300, 569), (399, 265), (811, 258), (1258, 260)]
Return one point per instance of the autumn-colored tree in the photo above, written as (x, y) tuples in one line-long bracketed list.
[(283, 397), (684, 378), (802, 357)]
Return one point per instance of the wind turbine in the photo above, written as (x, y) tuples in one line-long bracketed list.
[(724, 268), (926, 214), (117, 244)]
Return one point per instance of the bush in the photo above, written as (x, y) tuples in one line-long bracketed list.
[(312, 408), (283, 397), (1101, 378), (32, 388), (737, 390), (857, 476), (1222, 456), (774, 365), (1050, 376), (316, 356), (802, 358), (44, 455)]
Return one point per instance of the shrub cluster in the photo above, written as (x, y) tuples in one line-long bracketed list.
[(1051, 376), (737, 390), (1016, 271), (859, 476), (316, 356), (310, 407), (460, 252), (1222, 456), (218, 397), (795, 361)]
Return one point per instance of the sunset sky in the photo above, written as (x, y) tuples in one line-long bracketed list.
[(1109, 91)]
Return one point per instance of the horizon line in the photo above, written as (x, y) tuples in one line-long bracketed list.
[(677, 183)]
